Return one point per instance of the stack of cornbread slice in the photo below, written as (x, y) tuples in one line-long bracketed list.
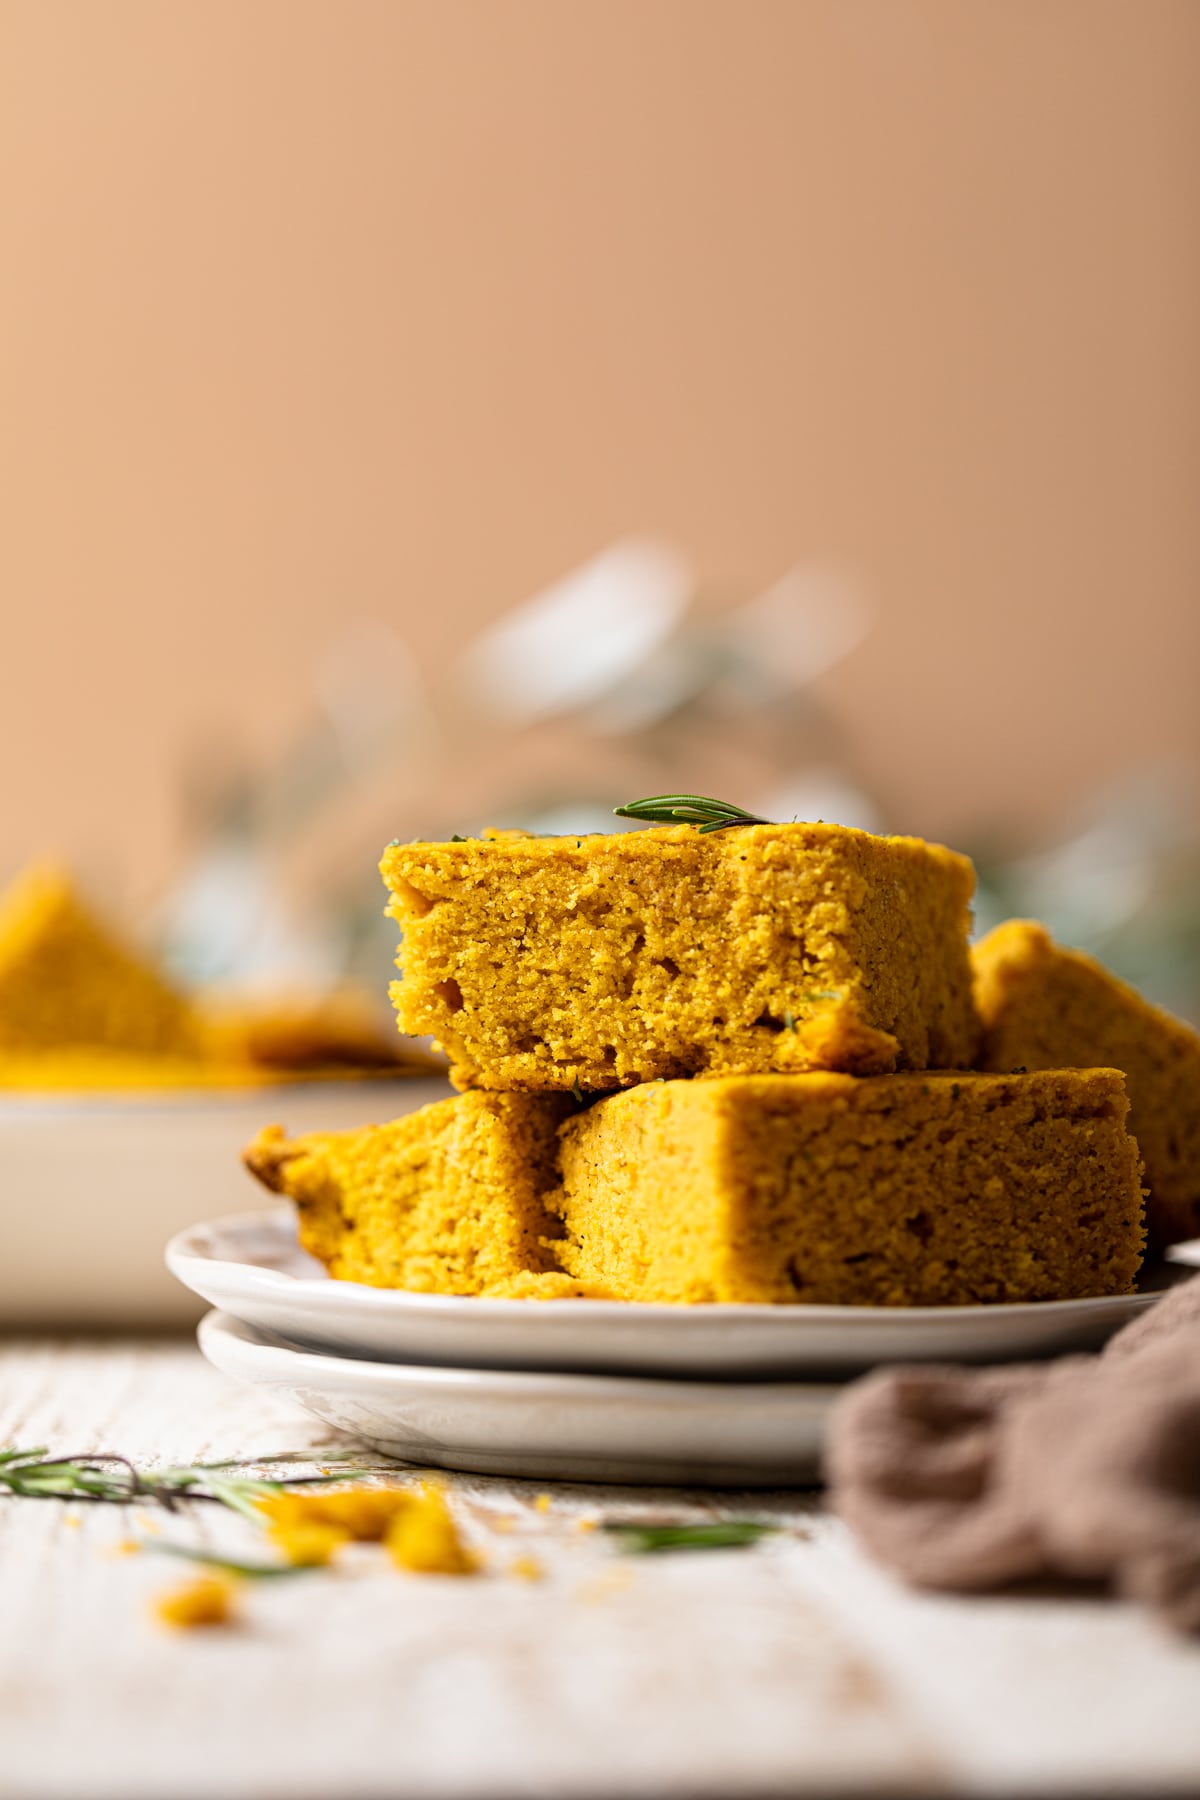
[(735, 1066)]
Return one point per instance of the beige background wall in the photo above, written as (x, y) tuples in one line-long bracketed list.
[(319, 311)]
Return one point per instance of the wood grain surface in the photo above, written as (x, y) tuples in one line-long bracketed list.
[(794, 1667)]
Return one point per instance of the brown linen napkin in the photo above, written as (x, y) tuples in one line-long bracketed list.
[(1086, 1468)]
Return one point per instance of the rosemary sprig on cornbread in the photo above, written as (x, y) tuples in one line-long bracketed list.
[(687, 809)]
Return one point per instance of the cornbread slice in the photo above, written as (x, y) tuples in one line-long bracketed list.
[(908, 1190), (447, 1200), (66, 981), (598, 962), (1046, 1007), (310, 1034)]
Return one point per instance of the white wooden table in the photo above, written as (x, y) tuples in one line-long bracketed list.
[(795, 1667)]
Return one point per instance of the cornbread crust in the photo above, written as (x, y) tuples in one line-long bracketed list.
[(600, 962), (447, 1200), (910, 1190), (65, 981), (1043, 1006)]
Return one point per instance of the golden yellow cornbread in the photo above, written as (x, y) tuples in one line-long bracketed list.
[(599, 962), (81, 1011), (904, 1190), (67, 982), (309, 1033), (1046, 1007), (447, 1200)]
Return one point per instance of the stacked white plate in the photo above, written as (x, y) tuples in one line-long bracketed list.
[(582, 1390)]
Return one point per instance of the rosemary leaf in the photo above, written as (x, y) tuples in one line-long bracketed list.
[(721, 1534), (102, 1476), (228, 1565), (687, 809)]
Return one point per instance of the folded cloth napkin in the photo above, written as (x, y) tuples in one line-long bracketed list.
[(1086, 1468)]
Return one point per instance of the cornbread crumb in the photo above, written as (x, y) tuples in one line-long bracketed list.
[(449, 1199), (909, 1190), (606, 1586), (205, 1600), (527, 1568), (308, 1546), (599, 962), (543, 1503), (1046, 1007), (363, 1514), (424, 1539)]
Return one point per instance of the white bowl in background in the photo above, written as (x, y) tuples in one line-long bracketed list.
[(93, 1185)]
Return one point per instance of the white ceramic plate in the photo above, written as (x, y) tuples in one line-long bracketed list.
[(545, 1427), (253, 1268), (92, 1185)]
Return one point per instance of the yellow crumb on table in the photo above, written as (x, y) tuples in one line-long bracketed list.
[(543, 1503), (309, 1546), (588, 1523), (527, 1568), (205, 1600), (424, 1539), (605, 1586), (597, 962), (361, 1514)]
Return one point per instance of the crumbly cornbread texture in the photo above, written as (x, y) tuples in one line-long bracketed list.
[(66, 981), (906, 1190), (1046, 1007), (447, 1200), (599, 962)]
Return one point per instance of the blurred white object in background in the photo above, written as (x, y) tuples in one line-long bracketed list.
[(580, 638), (800, 627), (818, 793), (98, 1182), (374, 697)]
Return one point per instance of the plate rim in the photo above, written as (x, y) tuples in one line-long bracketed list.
[(326, 1293), (566, 1384)]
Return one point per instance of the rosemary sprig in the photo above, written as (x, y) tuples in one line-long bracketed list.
[(102, 1476), (721, 1534), (229, 1565), (687, 809)]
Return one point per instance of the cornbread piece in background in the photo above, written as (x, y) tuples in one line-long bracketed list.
[(600, 962), (909, 1190), (1044, 1007), (295, 1034), (67, 983), (447, 1200)]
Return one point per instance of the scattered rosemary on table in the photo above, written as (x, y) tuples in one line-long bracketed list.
[(721, 1534), (32, 1474), (229, 1565), (687, 809)]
